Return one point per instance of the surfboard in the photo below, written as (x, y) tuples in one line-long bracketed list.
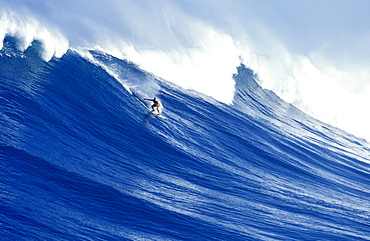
[(157, 114)]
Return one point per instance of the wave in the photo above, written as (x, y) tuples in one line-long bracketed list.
[(82, 158), (198, 46)]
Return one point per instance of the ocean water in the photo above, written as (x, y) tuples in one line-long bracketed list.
[(82, 158)]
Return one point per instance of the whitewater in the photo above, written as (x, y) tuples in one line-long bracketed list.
[(265, 139)]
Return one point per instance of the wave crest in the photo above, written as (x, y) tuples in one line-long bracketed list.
[(27, 29)]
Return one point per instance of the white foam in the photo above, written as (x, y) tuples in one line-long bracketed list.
[(28, 29)]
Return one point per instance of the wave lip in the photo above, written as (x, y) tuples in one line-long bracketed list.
[(27, 29)]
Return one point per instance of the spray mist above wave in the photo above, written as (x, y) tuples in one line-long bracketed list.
[(160, 38), (27, 29)]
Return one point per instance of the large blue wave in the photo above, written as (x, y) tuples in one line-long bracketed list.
[(83, 159)]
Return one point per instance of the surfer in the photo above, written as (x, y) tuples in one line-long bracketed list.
[(156, 104)]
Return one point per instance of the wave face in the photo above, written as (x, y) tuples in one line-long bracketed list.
[(83, 159)]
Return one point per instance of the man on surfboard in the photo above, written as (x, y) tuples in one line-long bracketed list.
[(156, 104)]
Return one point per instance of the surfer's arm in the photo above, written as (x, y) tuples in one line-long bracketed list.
[(148, 99)]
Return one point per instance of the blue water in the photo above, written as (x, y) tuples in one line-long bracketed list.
[(83, 159)]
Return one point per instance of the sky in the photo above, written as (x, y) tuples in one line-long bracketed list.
[(313, 54)]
